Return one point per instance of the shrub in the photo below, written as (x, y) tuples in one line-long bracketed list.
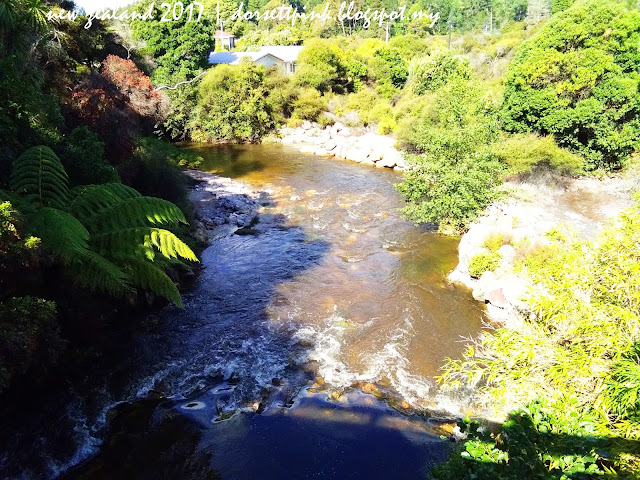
[(578, 351), (82, 155), (321, 65), (577, 78), (308, 105), (484, 262), (325, 120), (531, 443), (136, 86), (521, 153), (386, 126), (280, 95), (232, 105), (370, 107), (427, 74), (456, 176)]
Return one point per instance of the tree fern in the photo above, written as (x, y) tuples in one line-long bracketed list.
[(61, 233), (94, 272), (107, 235), (38, 175), (137, 239), (90, 200), (135, 212), (148, 276)]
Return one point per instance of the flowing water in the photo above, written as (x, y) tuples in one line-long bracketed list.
[(303, 351)]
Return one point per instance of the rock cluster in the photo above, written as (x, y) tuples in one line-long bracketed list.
[(340, 141), (222, 205)]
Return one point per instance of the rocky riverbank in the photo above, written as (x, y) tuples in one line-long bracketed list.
[(518, 224), (223, 206), (357, 144)]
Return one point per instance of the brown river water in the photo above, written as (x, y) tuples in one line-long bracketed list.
[(305, 351)]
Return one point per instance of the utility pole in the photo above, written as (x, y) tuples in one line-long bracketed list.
[(386, 31)]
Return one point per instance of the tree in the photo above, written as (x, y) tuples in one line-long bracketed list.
[(232, 104), (455, 176), (136, 86), (578, 79), (109, 237), (321, 65)]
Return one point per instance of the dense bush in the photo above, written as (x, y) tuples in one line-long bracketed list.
[(155, 170), (521, 153), (427, 74), (232, 104), (455, 177), (29, 337), (578, 351), (578, 79), (308, 105), (533, 443), (322, 65), (82, 155)]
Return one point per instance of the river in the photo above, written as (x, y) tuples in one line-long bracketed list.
[(307, 350)]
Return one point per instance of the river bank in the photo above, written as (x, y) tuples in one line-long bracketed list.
[(358, 144), (520, 224)]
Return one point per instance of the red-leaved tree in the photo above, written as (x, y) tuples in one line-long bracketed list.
[(134, 84)]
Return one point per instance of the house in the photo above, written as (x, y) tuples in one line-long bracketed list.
[(226, 40), (281, 56)]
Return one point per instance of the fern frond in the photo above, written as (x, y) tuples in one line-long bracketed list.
[(39, 175), (61, 233), (90, 200), (136, 212), (149, 277), (95, 273), (126, 241)]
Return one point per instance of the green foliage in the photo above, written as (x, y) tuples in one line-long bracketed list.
[(578, 350), (577, 79), (308, 105), (427, 74), (534, 442), (371, 107), (494, 241), (38, 175), (82, 156), (523, 152), (622, 393), (321, 65), (455, 177), (155, 151), (484, 262), (29, 337), (102, 233), (18, 251), (231, 104), (179, 47), (387, 67)]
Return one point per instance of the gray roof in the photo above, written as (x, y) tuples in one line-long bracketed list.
[(286, 53)]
